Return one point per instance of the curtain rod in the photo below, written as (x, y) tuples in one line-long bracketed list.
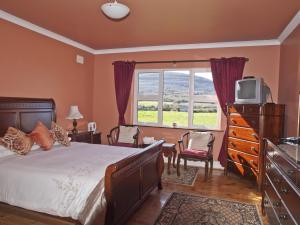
[(175, 61)]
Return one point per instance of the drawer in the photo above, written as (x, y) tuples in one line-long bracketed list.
[(244, 121), (242, 169), (288, 168), (272, 215), (243, 133), (273, 174), (285, 218), (252, 109), (291, 199), (243, 158), (274, 199), (244, 146), (235, 109)]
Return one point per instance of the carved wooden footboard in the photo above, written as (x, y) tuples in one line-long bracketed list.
[(129, 181)]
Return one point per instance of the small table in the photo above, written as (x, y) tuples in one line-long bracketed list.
[(169, 150)]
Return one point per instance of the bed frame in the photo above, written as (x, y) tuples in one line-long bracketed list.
[(127, 182)]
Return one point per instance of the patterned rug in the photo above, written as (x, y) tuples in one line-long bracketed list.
[(187, 177), (183, 209)]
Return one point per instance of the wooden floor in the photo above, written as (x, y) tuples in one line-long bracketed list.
[(229, 187)]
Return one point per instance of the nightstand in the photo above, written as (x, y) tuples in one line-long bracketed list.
[(87, 137)]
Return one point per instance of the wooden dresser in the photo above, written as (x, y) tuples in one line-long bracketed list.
[(248, 124), (281, 184)]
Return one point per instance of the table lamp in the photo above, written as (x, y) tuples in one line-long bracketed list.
[(74, 115)]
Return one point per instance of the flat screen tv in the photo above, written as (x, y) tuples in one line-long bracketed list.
[(251, 91)]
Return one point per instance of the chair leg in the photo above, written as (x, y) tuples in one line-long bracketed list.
[(211, 166), (178, 165), (206, 170), (185, 164)]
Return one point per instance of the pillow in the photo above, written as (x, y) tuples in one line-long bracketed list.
[(199, 140), (17, 141), (42, 136), (126, 134), (59, 134)]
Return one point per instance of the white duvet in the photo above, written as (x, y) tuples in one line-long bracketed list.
[(65, 181)]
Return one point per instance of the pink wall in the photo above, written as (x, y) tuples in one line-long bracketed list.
[(32, 65), (289, 80), (264, 61)]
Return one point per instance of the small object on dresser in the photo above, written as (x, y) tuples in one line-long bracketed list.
[(87, 137), (74, 115), (92, 127)]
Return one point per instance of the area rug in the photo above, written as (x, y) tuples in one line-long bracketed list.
[(187, 177), (183, 209)]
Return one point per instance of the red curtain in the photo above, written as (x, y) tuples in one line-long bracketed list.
[(225, 72), (123, 72)]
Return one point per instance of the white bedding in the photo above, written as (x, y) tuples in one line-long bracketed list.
[(65, 181)]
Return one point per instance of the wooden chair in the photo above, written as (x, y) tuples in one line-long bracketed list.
[(115, 139), (195, 155)]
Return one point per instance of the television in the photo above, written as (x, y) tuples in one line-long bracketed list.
[(251, 90)]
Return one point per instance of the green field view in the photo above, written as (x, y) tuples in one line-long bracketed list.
[(208, 120)]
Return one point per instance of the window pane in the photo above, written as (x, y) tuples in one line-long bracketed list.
[(204, 84), (205, 115), (147, 111), (176, 98), (148, 83)]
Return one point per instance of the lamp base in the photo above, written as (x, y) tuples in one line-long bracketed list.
[(74, 131)]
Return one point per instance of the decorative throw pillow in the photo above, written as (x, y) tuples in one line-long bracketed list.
[(42, 136), (60, 134), (17, 141), (126, 134), (199, 140)]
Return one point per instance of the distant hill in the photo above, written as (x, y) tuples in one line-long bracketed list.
[(175, 84)]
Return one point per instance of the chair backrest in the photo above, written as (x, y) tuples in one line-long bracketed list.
[(126, 135), (197, 140)]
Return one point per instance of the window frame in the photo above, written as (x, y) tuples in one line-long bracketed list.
[(159, 98)]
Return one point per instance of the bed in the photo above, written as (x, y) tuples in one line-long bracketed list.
[(136, 172)]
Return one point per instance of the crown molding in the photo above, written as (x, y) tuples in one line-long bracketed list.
[(189, 46), (290, 27), (23, 23)]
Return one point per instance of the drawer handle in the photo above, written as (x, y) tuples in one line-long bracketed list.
[(283, 217), (253, 149), (284, 190), (268, 165), (233, 121), (233, 133), (234, 145), (277, 204), (255, 136), (276, 180), (291, 172)]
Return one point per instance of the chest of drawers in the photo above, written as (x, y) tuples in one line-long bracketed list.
[(248, 124), (281, 186)]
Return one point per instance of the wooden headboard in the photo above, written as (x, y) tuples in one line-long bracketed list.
[(23, 113)]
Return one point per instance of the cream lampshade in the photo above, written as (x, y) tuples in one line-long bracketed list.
[(74, 115)]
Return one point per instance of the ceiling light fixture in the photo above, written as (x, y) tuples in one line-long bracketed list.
[(115, 10)]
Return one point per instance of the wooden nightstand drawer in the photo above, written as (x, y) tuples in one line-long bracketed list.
[(87, 137)]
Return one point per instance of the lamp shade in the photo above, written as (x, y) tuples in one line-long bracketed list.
[(115, 10), (74, 113)]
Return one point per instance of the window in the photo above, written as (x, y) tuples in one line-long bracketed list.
[(176, 97)]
